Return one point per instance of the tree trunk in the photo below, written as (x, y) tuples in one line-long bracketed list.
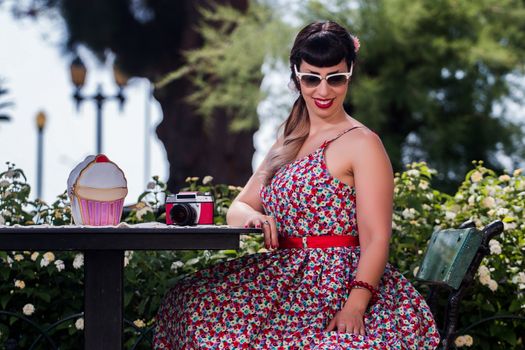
[(192, 150)]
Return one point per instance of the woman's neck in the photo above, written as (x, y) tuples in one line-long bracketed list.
[(320, 125)]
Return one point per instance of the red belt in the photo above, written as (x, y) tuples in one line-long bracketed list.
[(327, 241)]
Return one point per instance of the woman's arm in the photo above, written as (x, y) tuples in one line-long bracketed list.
[(247, 210), (374, 182), (246, 204)]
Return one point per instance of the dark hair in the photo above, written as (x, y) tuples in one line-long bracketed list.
[(321, 44)]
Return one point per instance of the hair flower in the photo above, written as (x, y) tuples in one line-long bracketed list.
[(357, 44)]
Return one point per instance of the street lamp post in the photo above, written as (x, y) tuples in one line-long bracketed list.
[(78, 76), (40, 124)]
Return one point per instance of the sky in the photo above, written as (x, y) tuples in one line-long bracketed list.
[(36, 73), (38, 79)]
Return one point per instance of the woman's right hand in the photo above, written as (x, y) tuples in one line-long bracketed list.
[(267, 223)]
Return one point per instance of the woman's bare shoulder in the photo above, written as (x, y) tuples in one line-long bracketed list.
[(361, 136), (360, 147)]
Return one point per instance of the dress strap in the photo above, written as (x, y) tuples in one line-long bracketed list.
[(341, 134)]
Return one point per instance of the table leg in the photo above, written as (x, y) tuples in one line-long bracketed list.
[(103, 299)]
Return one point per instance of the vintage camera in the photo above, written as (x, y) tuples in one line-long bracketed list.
[(189, 208)]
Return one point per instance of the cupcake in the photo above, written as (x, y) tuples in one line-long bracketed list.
[(97, 188)]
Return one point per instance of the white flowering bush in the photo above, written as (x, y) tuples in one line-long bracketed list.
[(43, 286), (16, 208), (483, 197), (47, 286)]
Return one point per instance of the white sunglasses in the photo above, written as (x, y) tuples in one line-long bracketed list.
[(311, 80)]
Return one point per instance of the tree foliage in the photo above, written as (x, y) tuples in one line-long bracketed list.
[(144, 36), (432, 78), (226, 69), (430, 74)]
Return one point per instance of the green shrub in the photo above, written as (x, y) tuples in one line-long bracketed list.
[(37, 278), (483, 197)]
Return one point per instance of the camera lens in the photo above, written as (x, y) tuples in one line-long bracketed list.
[(183, 214)]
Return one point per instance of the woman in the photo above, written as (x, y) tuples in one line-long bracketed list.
[(325, 283)]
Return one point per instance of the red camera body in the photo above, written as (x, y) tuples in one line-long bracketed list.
[(189, 208)]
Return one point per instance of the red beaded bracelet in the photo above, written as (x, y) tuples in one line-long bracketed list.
[(361, 284)]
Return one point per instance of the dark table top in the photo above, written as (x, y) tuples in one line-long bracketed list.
[(122, 237)]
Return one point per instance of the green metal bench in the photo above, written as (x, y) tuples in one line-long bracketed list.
[(450, 263)]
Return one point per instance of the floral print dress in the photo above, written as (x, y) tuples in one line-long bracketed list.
[(284, 299)]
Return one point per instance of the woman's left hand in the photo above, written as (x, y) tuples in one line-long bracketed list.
[(347, 321)]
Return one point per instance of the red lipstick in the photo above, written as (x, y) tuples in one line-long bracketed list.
[(323, 103)]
